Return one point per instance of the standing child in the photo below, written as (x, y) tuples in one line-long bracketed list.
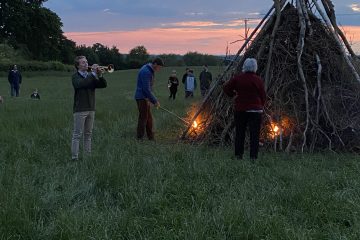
[(173, 84)]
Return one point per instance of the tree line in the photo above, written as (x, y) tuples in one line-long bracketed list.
[(35, 31)]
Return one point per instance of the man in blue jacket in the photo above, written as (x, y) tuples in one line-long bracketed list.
[(14, 79), (144, 96)]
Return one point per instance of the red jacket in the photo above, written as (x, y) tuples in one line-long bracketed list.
[(249, 91)]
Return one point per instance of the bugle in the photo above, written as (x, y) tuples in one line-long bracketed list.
[(109, 68)]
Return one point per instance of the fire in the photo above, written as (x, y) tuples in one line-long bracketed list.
[(195, 125), (275, 129)]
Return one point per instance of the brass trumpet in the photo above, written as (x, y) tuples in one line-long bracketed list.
[(109, 68)]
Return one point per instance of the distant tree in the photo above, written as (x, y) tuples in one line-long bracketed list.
[(88, 52), (137, 57), (198, 59), (172, 59), (117, 58), (67, 49), (108, 56)]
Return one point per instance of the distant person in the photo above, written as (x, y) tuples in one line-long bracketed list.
[(144, 97), (190, 84), (1, 99), (84, 84), (205, 80), (15, 80), (35, 95), (249, 92), (183, 80), (173, 84)]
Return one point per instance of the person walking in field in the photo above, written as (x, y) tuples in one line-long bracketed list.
[(205, 80), (183, 80), (15, 80), (249, 92), (173, 84), (144, 97), (190, 84), (84, 84)]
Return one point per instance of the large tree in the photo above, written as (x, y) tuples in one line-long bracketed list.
[(26, 24)]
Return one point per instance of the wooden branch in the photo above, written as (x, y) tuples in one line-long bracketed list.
[(349, 63), (330, 11), (300, 49), (272, 39), (319, 71)]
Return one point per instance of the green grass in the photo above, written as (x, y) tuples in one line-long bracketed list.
[(163, 190)]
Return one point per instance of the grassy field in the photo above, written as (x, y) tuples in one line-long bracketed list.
[(163, 190)]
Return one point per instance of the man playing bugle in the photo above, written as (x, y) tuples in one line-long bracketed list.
[(84, 84)]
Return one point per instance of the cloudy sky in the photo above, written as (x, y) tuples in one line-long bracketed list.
[(172, 26)]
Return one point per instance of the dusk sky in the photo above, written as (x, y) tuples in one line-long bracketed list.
[(170, 26)]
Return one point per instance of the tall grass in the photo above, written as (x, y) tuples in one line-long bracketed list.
[(156, 190)]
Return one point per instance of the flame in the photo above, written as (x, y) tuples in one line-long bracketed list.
[(275, 129), (195, 125)]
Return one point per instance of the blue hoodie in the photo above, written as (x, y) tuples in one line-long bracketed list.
[(145, 81)]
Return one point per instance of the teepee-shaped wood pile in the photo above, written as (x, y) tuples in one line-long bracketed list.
[(312, 81)]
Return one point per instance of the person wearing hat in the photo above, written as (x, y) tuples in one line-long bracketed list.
[(173, 84), (144, 97)]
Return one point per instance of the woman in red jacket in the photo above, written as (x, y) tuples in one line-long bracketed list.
[(249, 91)]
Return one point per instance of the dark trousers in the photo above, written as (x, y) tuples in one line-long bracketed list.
[(14, 90), (145, 120), (189, 94), (242, 119), (173, 93)]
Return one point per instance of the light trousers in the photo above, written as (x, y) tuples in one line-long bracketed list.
[(83, 126)]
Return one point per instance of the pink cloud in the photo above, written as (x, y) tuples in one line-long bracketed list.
[(178, 40)]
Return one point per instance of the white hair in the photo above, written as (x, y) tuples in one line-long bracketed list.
[(250, 65)]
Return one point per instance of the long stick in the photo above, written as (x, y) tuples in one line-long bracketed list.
[(168, 111), (337, 39)]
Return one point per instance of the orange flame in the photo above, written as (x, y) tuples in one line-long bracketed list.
[(195, 125)]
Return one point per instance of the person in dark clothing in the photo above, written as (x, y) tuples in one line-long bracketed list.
[(249, 92), (144, 96), (15, 80), (84, 84), (35, 95), (205, 80), (173, 84)]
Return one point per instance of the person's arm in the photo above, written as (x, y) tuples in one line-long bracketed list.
[(262, 92), (146, 78), (80, 82), (176, 81), (100, 83), (228, 88), (184, 78), (9, 77), (20, 78)]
